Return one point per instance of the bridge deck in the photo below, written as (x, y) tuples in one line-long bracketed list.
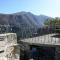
[(49, 39)]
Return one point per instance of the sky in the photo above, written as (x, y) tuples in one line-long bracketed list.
[(37, 7)]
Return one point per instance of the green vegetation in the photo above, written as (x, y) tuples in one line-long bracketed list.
[(51, 25), (52, 22)]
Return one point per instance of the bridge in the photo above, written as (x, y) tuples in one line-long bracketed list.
[(49, 39), (48, 42)]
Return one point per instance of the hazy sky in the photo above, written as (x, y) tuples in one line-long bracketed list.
[(46, 7)]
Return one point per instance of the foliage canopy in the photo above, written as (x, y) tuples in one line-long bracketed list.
[(52, 21)]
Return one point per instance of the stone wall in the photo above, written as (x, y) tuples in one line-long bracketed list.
[(9, 46)]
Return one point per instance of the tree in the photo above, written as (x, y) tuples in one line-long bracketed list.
[(53, 24)]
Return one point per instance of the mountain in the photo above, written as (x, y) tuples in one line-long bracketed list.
[(24, 23), (25, 18)]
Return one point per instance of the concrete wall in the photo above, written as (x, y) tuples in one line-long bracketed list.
[(8, 44)]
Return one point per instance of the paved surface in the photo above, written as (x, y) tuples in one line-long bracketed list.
[(2, 56), (43, 40)]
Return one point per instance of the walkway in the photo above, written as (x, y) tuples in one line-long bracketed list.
[(49, 39)]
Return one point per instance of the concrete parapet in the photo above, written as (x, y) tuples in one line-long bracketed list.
[(9, 49)]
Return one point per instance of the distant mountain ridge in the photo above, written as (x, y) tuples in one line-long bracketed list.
[(23, 18)]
